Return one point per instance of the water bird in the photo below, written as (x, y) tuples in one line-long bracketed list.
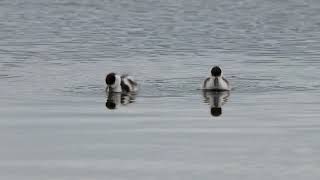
[(216, 81), (123, 83)]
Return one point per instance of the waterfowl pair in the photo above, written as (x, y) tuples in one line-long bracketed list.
[(125, 83)]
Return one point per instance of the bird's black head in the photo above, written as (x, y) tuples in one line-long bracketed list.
[(111, 78), (216, 111), (216, 71)]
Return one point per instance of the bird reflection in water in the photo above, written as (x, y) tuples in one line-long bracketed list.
[(216, 99), (115, 99)]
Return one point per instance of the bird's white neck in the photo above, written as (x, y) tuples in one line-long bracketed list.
[(116, 87)]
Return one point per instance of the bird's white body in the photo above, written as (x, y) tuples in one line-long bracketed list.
[(216, 83), (130, 83)]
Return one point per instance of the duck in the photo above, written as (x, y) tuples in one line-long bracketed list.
[(216, 81), (121, 83)]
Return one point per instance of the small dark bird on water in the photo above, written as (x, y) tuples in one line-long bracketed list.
[(216, 81), (117, 83)]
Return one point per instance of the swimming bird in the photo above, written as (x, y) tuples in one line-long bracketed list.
[(216, 82), (124, 83)]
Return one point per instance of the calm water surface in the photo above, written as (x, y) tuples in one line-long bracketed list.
[(55, 125)]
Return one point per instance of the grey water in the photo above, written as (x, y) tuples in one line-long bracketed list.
[(55, 117)]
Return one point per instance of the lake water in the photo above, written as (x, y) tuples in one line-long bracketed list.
[(55, 125)]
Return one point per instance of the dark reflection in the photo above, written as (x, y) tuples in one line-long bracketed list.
[(216, 99), (115, 99)]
